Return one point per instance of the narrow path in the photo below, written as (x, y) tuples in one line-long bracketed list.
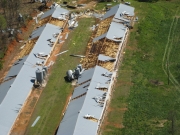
[(165, 64)]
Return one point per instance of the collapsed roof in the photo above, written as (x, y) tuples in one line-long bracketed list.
[(116, 32), (55, 13), (36, 33)]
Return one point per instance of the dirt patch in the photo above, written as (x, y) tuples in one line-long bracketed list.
[(156, 82), (116, 109), (131, 48), (161, 123), (110, 109), (89, 5), (123, 109), (158, 123), (117, 125), (125, 83)]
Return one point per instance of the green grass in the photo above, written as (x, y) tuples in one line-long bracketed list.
[(148, 104), (52, 100), (173, 56), (102, 5)]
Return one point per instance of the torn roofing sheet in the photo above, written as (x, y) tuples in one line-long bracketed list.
[(102, 57), (36, 33), (125, 9), (4, 87), (111, 12), (116, 32), (85, 76), (10, 77), (99, 37), (79, 90), (55, 12)]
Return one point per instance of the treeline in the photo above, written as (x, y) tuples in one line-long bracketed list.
[(147, 0), (8, 23), (12, 18)]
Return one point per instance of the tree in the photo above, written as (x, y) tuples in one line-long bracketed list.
[(3, 23)]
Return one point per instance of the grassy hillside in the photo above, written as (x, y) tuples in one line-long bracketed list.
[(147, 90)]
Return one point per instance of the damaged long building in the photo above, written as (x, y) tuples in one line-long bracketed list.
[(31, 68), (88, 103), (96, 75)]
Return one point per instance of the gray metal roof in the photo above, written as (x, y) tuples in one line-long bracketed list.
[(59, 11), (36, 33), (55, 12), (4, 87), (80, 90), (124, 8), (22, 85), (119, 9), (100, 37), (15, 68), (111, 12), (86, 75), (78, 108), (116, 30), (48, 13), (10, 77), (102, 57)]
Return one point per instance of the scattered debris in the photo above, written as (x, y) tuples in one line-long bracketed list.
[(66, 35), (22, 47), (41, 55), (156, 82), (61, 53), (34, 123), (81, 56), (127, 3), (109, 4), (54, 5), (50, 64), (81, 5), (40, 14), (76, 24), (20, 41), (96, 15), (19, 31), (136, 19)]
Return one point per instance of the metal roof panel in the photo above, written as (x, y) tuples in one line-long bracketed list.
[(111, 12), (22, 85)]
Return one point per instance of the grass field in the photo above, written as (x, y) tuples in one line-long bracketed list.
[(144, 102), (53, 98), (102, 5)]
